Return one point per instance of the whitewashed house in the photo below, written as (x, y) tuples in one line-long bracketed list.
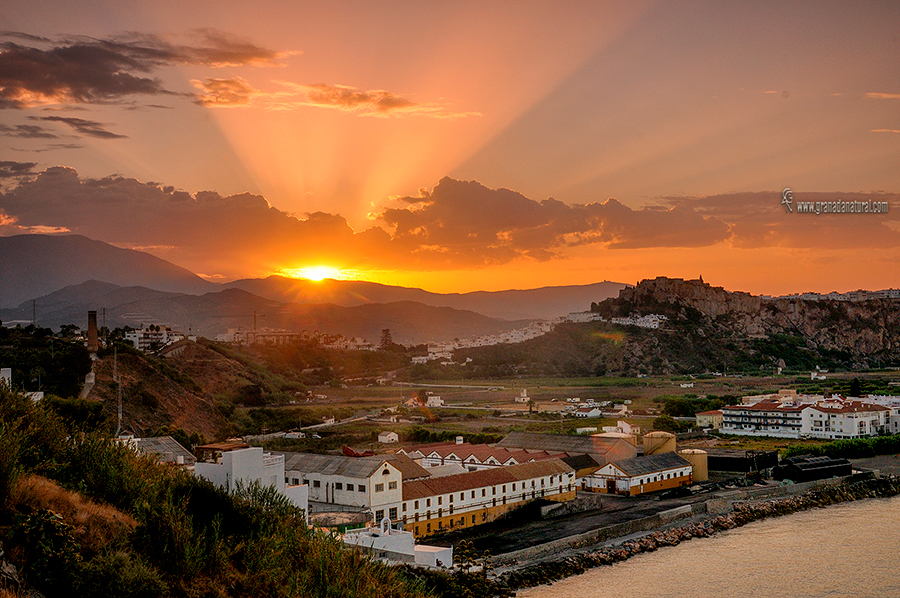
[(388, 437), (229, 466)]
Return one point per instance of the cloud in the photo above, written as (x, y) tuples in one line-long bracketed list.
[(10, 169), (90, 70), (456, 224), (373, 102), (883, 96), (224, 92), (885, 131), (759, 220), (90, 128), (27, 132)]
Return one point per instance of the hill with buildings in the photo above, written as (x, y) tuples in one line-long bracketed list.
[(702, 328)]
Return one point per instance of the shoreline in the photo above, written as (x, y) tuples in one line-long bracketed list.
[(612, 550)]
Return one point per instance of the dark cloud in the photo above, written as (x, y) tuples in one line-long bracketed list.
[(456, 224), (759, 219), (89, 70), (90, 128), (467, 221), (27, 132), (10, 169)]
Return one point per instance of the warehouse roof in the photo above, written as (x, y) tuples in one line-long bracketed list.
[(483, 478)]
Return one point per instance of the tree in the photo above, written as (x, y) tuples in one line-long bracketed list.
[(854, 388), (387, 342)]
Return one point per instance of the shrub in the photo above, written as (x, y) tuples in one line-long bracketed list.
[(120, 574)]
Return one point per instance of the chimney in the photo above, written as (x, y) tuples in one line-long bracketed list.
[(92, 345)]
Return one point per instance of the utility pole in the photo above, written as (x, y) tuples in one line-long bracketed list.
[(118, 387)]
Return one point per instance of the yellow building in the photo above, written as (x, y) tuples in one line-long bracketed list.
[(466, 499), (641, 475), (709, 419)]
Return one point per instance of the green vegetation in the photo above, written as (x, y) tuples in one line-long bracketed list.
[(855, 448), (419, 434), (148, 530), (40, 361)]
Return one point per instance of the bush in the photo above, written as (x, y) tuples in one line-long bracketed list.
[(120, 574)]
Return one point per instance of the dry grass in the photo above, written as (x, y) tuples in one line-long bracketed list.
[(94, 524)]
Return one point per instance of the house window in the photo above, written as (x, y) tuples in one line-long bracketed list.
[(361, 488), (379, 515), (386, 472), (514, 487), (462, 496), (427, 502), (504, 488), (428, 528), (493, 490), (338, 486), (316, 484), (379, 487), (392, 513), (416, 505), (473, 494), (451, 498), (404, 507), (483, 492), (473, 519), (392, 485)]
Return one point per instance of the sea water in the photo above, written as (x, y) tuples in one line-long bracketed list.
[(850, 550)]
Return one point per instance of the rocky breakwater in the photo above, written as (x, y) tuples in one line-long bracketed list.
[(744, 513)]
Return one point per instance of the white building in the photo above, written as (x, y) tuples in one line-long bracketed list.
[(397, 545), (388, 437), (588, 412), (153, 338), (845, 419), (434, 401), (229, 465), (663, 471), (339, 483), (766, 418)]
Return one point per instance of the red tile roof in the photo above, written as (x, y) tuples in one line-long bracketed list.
[(483, 478)]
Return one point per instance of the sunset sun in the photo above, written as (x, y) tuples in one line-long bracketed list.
[(316, 273)]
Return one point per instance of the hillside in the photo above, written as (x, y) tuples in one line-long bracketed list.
[(214, 313), (540, 303), (708, 329), (36, 265)]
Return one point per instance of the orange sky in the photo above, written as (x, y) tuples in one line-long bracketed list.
[(238, 140)]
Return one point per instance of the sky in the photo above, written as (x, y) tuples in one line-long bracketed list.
[(461, 146)]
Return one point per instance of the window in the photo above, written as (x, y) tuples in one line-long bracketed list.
[(483, 492), (473, 519), (379, 487), (428, 528), (514, 487), (404, 507), (462, 496), (338, 486), (386, 472), (392, 513), (316, 484), (493, 490), (451, 498), (416, 505), (473, 494), (427, 502), (392, 485), (379, 515), (440, 498), (361, 488), (504, 489)]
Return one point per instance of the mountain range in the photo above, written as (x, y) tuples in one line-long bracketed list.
[(57, 279)]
